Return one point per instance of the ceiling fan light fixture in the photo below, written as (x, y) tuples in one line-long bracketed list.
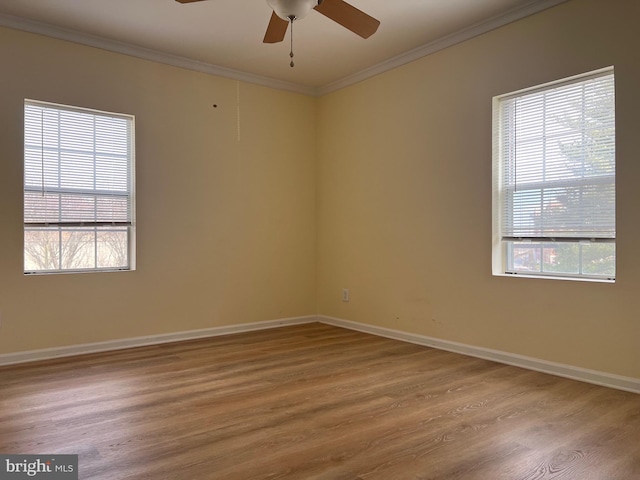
[(292, 9)]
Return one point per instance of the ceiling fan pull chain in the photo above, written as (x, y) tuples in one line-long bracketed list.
[(291, 53)]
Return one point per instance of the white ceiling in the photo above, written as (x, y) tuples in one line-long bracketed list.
[(224, 37)]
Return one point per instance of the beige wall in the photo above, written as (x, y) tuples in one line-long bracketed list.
[(229, 231), (404, 205), (226, 228)]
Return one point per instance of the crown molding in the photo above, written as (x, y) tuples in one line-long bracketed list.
[(40, 28), (475, 30), (48, 30)]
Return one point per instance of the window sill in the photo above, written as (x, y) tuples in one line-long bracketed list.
[(67, 272), (554, 277)]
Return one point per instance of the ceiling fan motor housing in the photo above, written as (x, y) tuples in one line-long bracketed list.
[(290, 10)]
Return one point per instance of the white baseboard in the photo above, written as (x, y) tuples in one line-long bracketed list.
[(619, 382), (72, 350)]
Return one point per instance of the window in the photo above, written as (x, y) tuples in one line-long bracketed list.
[(78, 189), (554, 179)]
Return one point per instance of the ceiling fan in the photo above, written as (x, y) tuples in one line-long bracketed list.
[(285, 12)]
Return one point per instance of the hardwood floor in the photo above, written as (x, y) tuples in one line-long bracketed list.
[(315, 402)]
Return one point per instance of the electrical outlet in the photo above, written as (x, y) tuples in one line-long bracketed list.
[(345, 294)]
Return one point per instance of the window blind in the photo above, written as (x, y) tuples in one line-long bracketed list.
[(77, 168), (557, 162)]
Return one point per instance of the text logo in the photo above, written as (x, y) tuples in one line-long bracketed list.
[(45, 467)]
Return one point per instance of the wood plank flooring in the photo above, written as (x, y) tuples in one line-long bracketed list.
[(315, 402)]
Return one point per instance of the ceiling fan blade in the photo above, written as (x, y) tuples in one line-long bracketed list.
[(188, 1), (349, 17), (276, 30)]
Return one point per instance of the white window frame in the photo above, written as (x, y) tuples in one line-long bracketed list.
[(505, 236), (78, 180)]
